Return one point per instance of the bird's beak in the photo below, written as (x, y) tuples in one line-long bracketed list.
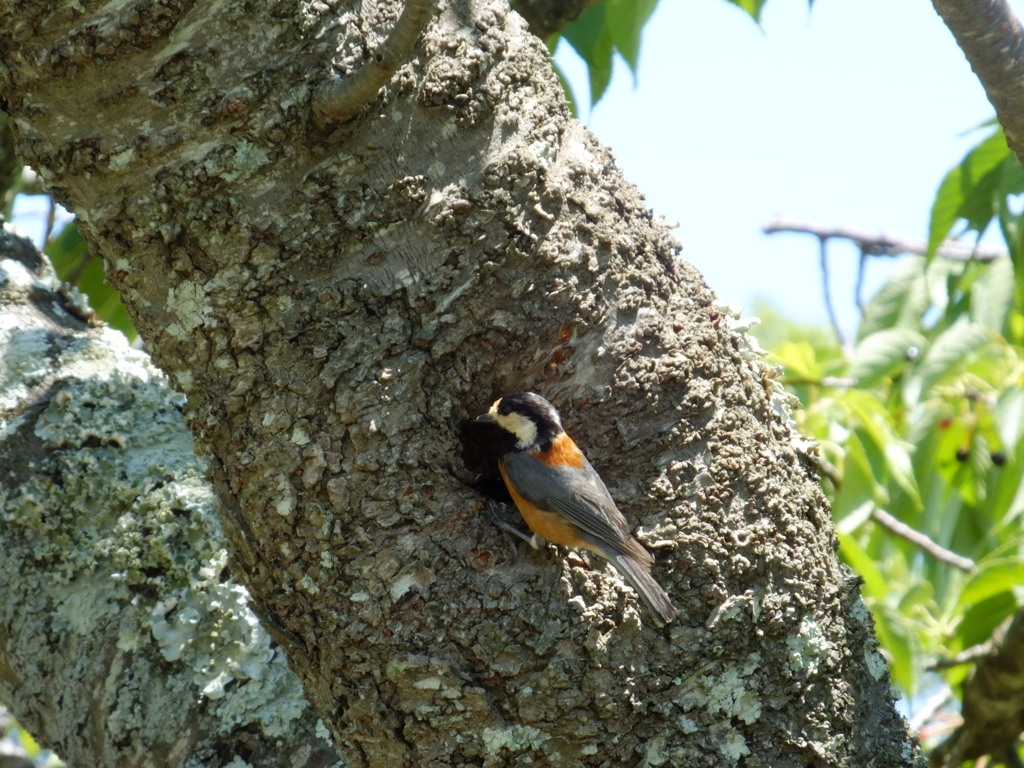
[(485, 418)]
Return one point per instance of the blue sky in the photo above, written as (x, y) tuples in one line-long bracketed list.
[(849, 113)]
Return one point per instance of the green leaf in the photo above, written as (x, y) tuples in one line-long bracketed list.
[(753, 7), (69, 253), (993, 578), (76, 266), (945, 209), (859, 484), (876, 585), (591, 38), (1011, 183), (972, 480), (921, 593), (1005, 502), (901, 470), (992, 295), (28, 743), (952, 449), (868, 417), (900, 303), (947, 354), (604, 29), (942, 280), (887, 454), (856, 518), (1009, 417), (1005, 499), (883, 354), (968, 191), (799, 360), (627, 19), (982, 618)]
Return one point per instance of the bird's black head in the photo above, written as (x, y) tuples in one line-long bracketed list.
[(531, 419)]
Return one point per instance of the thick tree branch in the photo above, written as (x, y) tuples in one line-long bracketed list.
[(993, 702), (121, 635), (338, 99), (990, 35)]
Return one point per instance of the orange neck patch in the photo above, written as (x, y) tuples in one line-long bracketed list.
[(562, 453)]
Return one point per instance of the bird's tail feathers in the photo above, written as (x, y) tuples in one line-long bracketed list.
[(654, 598)]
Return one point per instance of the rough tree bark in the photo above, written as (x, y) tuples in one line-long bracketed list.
[(991, 37), (122, 639), (993, 703), (336, 305)]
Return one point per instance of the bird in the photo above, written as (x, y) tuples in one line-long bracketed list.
[(562, 498)]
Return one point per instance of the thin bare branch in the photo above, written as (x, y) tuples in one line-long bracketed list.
[(338, 99), (51, 223), (858, 291), (990, 35), (922, 542), (882, 243), (834, 382), (967, 656), (927, 709), (826, 289)]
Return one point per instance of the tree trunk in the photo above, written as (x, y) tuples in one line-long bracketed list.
[(336, 299)]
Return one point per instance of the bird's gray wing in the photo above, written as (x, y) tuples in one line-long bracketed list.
[(577, 493)]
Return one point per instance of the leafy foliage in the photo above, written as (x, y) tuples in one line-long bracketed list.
[(18, 748), (924, 420), (601, 31), (986, 187), (753, 7), (75, 265), (616, 27)]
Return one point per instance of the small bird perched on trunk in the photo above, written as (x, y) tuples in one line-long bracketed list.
[(563, 499)]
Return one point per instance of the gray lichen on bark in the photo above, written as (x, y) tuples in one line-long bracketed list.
[(121, 630)]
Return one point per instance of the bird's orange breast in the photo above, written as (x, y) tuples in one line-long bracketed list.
[(562, 453), (550, 525)]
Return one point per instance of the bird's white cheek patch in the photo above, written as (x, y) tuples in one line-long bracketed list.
[(521, 426)]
